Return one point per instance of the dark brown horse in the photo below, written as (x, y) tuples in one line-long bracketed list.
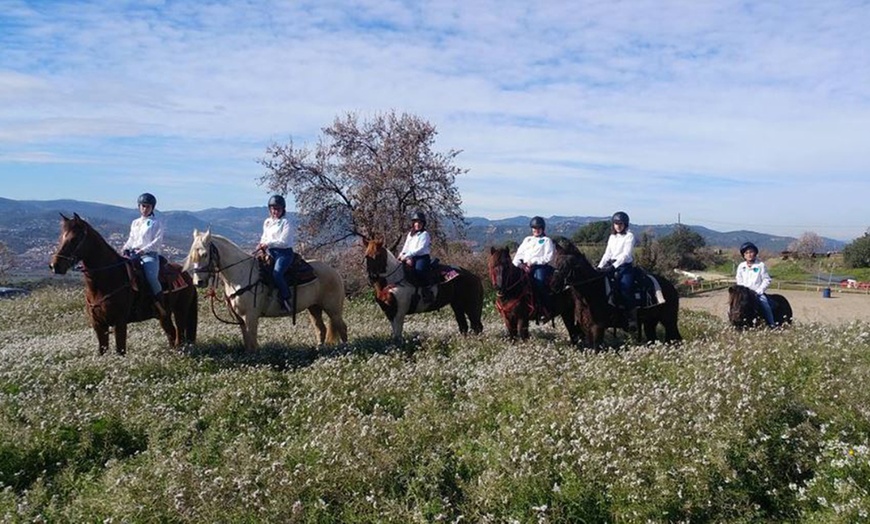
[(593, 309), (515, 299), (398, 297), (744, 310), (112, 292)]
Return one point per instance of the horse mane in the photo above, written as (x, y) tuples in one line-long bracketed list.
[(568, 256), (69, 223)]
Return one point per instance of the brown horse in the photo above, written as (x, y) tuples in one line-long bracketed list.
[(515, 299), (744, 310), (593, 309), (398, 297), (113, 294)]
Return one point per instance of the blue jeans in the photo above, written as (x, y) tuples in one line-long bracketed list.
[(766, 309), (151, 267), (625, 280), (421, 268), (283, 258), (540, 275)]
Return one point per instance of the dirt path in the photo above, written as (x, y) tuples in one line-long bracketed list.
[(808, 306)]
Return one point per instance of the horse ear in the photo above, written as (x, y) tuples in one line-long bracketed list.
[(76, 216), (492, 250), (195, 232), (64, 217)]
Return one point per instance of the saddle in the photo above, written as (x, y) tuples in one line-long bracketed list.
[(438, 274), (645, 287), (170, 276), (301, 272)]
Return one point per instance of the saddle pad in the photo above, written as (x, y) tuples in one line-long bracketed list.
[(448, 273)]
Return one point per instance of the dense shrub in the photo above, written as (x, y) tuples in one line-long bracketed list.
[(857, 253)]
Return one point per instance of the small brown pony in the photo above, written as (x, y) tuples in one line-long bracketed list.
[(515, 301), (744, 310), (594, 312), (113, 294), (398, 297)]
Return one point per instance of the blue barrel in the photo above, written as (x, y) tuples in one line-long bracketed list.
[(826, 292)]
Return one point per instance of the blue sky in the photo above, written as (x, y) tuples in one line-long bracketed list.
[(730, 115)]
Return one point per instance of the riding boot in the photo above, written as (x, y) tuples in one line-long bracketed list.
[(287, 303)]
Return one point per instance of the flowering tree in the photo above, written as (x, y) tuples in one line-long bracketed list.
[(807, 244), (365, 179)]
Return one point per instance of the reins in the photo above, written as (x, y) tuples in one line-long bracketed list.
[(213, 269)]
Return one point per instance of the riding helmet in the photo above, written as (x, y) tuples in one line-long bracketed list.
[(537, 222), (147, 198), (620, 216), (747, 246), (277, 201), (419, 216)]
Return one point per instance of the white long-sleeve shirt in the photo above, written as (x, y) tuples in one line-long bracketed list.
[(146, 234), (620, 249), (754, 276), (534, 251), (277, 233), (416, 244)]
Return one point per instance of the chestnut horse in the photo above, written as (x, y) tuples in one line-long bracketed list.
[(249, 297), (398, 297), (744, 310), (515, 299), (594, 311), (114, 296)]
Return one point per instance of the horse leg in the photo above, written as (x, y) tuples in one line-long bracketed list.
[(523, 322), (460, 318), (398, 323), (315, 313), (102, 332), (191, 318), (120, 338), (249, 333)]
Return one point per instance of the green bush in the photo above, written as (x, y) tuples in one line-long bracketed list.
[(857, 253)]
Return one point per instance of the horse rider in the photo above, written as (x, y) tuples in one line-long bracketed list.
[(415, 253), (752, 273), (618, 260), (143, 244), (277, 240), (536, 252)]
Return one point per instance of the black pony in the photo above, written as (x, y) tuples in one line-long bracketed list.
[(593, 310), (744, 310)]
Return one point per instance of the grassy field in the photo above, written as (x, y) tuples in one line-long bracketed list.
[(727, 427)]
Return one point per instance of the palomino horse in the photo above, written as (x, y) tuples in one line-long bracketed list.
[(249, 298), (398, 297), (114, 296), (594, 311), (744, 310), (515, 299)]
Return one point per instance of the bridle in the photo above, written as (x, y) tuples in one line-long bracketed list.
[(74, 256)]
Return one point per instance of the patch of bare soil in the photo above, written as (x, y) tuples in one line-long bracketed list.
[(808, 306)]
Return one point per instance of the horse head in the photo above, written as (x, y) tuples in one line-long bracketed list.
[(202, 259), (376, 260), (500, 268), (741, 306), (71, 248), (570, 265)]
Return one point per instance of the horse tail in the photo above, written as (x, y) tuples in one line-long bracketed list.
[(332, 301)]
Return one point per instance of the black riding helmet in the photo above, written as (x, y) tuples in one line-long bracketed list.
[(277, 201), (746, 247), (419, 216), (537, 222), (622, 217), (148, 198)]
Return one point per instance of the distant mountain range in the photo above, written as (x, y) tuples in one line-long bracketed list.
[(30, 228)]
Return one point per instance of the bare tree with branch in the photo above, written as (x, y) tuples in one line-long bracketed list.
[(365, 179)]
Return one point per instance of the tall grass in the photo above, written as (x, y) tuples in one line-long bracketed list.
[(727, 427)]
